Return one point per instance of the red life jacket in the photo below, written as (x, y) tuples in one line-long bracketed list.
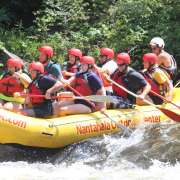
[(9, 87), (116, 90), (82, 84), (155, 86), (35, 89), (73, 69)]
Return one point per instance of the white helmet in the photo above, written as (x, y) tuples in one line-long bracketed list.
[(157, 41)]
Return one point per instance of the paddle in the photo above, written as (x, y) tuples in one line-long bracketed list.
[(6, 79), (123, 128), (96, 98), (163, 98), (172, 115)]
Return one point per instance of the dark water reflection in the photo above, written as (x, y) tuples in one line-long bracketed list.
[(158, 142)]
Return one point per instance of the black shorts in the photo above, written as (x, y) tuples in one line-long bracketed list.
[(44, 111), (81, 101), (121, 103), (156, 100)]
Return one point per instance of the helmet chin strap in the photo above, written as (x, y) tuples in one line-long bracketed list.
[(150, 65), (125, 68), (76, 59), (88, 68), (38, 74), (45, 60), (106, 60)]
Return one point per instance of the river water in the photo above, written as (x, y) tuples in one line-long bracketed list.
[(151, 152)]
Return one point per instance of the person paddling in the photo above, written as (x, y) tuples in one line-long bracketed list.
[(41, 85), (157, 79), (8, 87), (107, 65), (129, 79), (86, 83)]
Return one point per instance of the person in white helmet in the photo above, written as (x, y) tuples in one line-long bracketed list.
[(165, 60)]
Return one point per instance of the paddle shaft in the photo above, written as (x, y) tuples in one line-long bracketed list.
[(123, 128), (172, 115), (130, 92), (96, 98), (163, 98), (6, 79)]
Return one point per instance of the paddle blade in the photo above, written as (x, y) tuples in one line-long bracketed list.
[(172, 115), (99, 98)]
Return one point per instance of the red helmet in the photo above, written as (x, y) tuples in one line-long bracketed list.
[(75, 52), (151, 57), (123, 58), (46, 49), (14, 62), (38, 66), (107, 51), (88, 60)]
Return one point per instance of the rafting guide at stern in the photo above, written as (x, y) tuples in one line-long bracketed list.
[(86, 83), (11, 82), (108, 66), (129, 79), (165, 60), (41, 85)]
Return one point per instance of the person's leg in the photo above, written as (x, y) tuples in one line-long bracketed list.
[(74, 109), (1, 103), (119, 103), (26, 112), (12, 106), (60, 104)]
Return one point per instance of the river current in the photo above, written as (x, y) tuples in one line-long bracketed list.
[(151, 152)]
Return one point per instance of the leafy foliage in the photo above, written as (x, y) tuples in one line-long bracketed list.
[(123, 25)]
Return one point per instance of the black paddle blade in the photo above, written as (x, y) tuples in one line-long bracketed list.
[(172, 115)]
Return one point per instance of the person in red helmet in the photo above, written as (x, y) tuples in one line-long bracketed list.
[(45, 55), (86, 83), (131, 80), (18, 82), (164, 60), (74, 57), (156, 78), (41, 85), (107, 66)]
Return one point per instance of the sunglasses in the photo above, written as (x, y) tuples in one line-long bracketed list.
[(154, 48), (102, 55), (32, 71), (120, 65)]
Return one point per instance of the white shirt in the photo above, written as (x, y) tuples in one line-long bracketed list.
[(111, 66)]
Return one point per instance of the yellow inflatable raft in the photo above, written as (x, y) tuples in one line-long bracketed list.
[(59, 132)]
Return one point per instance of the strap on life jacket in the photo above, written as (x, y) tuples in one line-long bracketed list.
[(85, 88)]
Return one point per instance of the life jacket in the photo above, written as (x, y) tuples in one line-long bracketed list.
[(35, 89), (73, 69), (9, 87), (172, 70), (155, 86), (123, 79), (116, 90), (102, 79), (47, 72), (82, 85)]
